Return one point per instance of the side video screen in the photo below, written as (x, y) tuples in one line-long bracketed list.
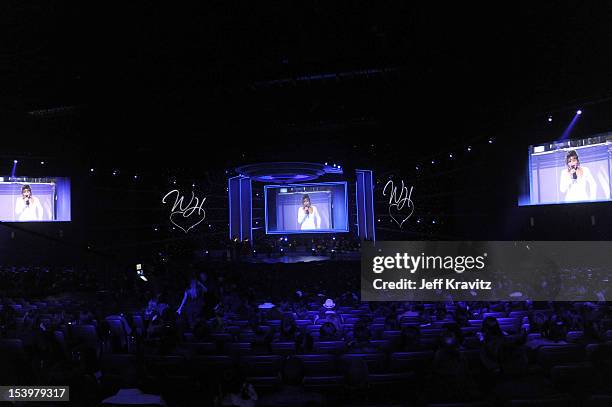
[(24, 199)]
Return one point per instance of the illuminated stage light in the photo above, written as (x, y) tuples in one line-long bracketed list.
[(135, 176), (549, 119), (433, 161), (469, 149), (450, 155), (42, 163), (15, 161), (490, 141), (91, 170), (115, 172), (578, 111), (417, 168)]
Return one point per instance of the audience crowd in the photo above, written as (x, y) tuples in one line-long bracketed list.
[(247, 335)]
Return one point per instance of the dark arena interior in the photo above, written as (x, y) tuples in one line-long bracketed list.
[(199, 204)]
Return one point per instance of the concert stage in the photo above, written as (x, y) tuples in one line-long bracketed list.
[(301, 257)]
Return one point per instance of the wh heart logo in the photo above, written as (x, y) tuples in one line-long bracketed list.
[(401, 206), (189, 216)]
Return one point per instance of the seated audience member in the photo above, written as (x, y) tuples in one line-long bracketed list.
[(87, 318), (130, 392), (514, 381), (361, 339), (288, 328), (462, 318), (326, 309), (593, 332), (356, 386), (492, 339), (304, 341), (328, 332), (335, 319), (410, 339), (391, 322), (456, 331), (451, 377), (236, 392), (8, 322), (200, 331), (553, 332), (217, 323), (292, 392)]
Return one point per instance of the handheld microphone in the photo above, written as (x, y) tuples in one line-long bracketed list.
[(27, 202), (574, 175)]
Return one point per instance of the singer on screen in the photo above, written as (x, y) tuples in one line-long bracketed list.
[(574, 180), (28, 207), (308, 216)]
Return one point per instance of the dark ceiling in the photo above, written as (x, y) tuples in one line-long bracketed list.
[(144, 81)]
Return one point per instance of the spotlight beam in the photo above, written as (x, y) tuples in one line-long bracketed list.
[(570, 127)]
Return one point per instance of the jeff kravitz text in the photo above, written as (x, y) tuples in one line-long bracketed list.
[(411, 264)]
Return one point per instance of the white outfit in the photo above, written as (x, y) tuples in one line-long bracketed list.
[(309, 221), (31, 212), (576, 189)]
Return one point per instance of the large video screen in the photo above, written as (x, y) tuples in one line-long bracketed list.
[(306, 208), (570, 171), (24, 199)]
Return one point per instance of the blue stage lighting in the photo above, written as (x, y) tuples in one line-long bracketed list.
[(578, 111)]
